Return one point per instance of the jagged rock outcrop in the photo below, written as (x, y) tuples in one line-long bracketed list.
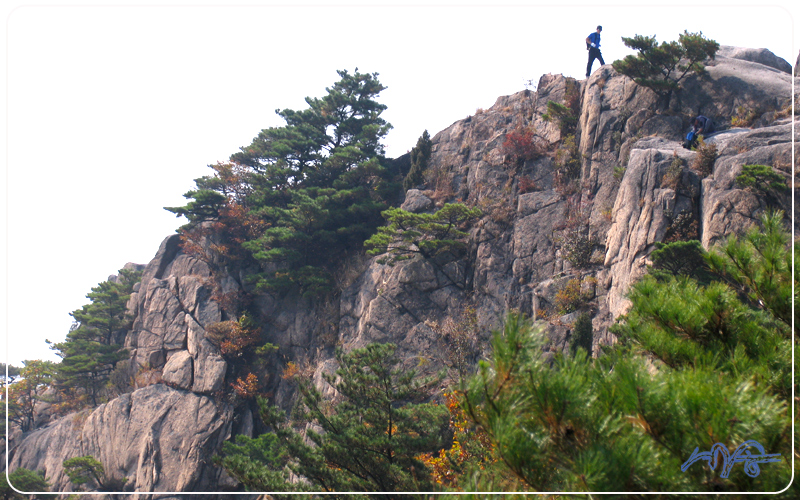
[(172, 306), (516, 258), (156, 439)]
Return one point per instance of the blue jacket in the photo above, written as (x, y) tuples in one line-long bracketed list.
[(595, 38)]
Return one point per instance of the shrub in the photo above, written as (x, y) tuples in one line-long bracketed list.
[(744, 117), (233, 337), (683, 227), (703, 163), (619, 172), (581, 335), (526, 185), (672, 177), (499, 210), (568, 166), (246, 388), (471, 450), (567, 120), (577, 244), (574, 294), (521, 145), (146, 375), (761, 178), (460, 337)]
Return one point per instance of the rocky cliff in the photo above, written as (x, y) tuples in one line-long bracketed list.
[(634, 187)]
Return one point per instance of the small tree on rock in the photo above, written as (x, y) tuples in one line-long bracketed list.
[(85, 470), (408, 234), (419, 162), (662, 67)]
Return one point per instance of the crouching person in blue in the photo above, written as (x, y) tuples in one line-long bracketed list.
[(701, 127), (593, 45)]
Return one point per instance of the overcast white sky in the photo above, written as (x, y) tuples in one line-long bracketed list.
[(112, 111)]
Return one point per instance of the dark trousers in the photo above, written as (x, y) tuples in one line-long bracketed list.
[(594, 53)]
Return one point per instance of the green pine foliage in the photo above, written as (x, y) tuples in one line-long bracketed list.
[(662, 67), (420, 155), (581, 335), (300, 195), (761, 177), (680, 258), (88, 472), (695, 365), (91, 349), (408, 234), (566, 117), (764, 180), (23, 480), (369, 441), (759, 266), (85, 470)]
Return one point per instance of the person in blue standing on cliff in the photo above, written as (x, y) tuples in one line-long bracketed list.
[(593, 45)]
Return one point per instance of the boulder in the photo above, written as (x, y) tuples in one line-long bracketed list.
[(416, 201), (178, 370), (760, 56)]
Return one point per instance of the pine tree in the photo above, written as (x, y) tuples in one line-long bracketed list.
[(661, 67), (407, 234), (23, 480), (581, 335), (695, 366), (83, 470), (369, 442), (680, 258), (307, 191), (89, 471), (420, 155), (91, 350)]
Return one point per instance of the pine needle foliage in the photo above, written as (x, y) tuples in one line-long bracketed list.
[(92, 348), (759, 265), (85, 470), (301, 195), (420, 155), (581, 335), (369, 441), (407, 234), (24, 480), (696, 365), (662, 67), (763, 180), (680, 258)]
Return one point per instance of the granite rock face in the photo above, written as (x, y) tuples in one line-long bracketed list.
[(156, 438), (635, 187), (172, 308)]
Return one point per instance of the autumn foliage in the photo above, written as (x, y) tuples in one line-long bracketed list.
[(234, 337), (471, 449), (246, 388), (521, 145)]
